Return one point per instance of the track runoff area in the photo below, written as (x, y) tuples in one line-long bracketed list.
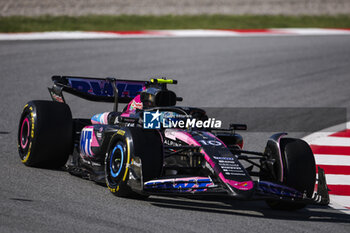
[(331, 146)]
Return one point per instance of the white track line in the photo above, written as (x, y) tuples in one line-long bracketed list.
[(55, 36), (314, 136), (172, 33), (199, 33), (332, 141), (339, 160), (314, 31), (343, 201), (338, 180), (326, 132)]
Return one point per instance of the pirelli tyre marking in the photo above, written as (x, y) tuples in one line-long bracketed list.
[(128, 159), (26, 157)]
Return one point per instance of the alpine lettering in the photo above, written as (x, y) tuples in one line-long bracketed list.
[(85, 141), (105, 88)]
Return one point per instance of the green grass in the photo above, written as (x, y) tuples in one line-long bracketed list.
[(128, 22)]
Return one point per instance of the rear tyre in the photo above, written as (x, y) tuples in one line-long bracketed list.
[(45, 134), (299, 171)]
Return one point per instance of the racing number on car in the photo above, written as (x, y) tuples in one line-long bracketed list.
[(210, 143)]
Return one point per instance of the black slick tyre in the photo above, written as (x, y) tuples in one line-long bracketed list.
[(45, 134), (299, 171), (118, 156)]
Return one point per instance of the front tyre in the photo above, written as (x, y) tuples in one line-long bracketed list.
[(299, 171), (45, 134), (116, 167)]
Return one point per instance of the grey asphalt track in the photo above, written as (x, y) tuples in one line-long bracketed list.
[(305, 71)]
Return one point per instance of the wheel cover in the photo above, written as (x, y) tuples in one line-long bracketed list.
[(116, 160)]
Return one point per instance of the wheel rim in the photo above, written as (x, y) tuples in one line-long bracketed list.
[(116, 161), (24, 134)]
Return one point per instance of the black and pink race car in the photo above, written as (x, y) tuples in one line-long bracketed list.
[(136, 153)]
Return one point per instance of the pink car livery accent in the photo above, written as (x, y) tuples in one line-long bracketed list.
[(134, 105), (225, 166), (181, 135), (245, 185)]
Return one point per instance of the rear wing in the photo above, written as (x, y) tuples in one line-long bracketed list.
[(96, 89)]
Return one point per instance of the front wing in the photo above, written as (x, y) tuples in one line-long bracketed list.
[(203, 186)]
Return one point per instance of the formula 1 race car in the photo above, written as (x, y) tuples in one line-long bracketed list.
[(153, 147)]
